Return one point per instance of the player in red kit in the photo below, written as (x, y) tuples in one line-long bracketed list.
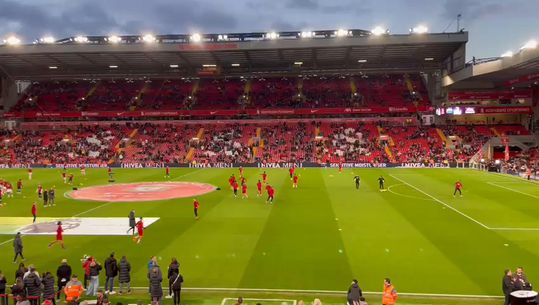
[(231, 180), (235, 187), (243, 180), (196, 206), (167, 172), (340, 166), (458, 188), (140, 231), (258, 188), (271, 193), (64, 177), (83, 170), (34, 211), (295, 181), (264, 177), (59, 236), (244, 191), (291, 172), (39, 191), (29, 174), (241, 171)]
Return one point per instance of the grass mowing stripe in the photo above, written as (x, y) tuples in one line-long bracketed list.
[(513, 190), (443, 203)]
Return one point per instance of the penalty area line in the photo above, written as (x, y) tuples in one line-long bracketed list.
[(443, 203), (513, 190)]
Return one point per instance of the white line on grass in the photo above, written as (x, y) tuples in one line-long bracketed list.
[(294, 302), (404, 195), (443, 203), (513, 190), (5, 242), (333, 292)]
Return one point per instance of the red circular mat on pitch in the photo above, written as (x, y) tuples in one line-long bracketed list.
[(144, 191)]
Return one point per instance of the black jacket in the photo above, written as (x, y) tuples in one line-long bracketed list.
[(32, 285), (507, 285), (64, 272), (354, 292), (17, 244), (173, 268), (48, 286), (111, 267), (156, 291), (124, 268), (176, 281), (94, 270), (3, 282)]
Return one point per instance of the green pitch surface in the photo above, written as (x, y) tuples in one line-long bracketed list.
[(317, 237)]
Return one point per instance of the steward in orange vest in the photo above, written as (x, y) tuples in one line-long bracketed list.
[(389, 297), (73, 290)]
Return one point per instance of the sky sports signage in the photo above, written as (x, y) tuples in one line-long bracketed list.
[(490, 95), (462, 110)]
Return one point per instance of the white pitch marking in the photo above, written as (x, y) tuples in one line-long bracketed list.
[(513, 190), (443, 203)]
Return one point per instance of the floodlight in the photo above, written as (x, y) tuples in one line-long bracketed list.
[(81, 39), (272, 35), (420, 29), (307, 34), (47, 39), (148, 38), (114, 39), (222, 37), (377, 31), (12, 40), (196, 37), (173, 66), (235, 65), (341, 33), (507, 54), (532, 44)]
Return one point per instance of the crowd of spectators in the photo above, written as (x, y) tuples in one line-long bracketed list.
[(320, 91)]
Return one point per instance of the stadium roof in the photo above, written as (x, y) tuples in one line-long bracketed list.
[(519, 70), (179, 55)]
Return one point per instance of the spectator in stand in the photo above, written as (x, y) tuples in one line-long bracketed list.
[(156, 291), (48, 287), (63, 273), (95, 269), (32, 285), (124, 274), (354, 293), (73, 290), (173, 268), (111, 271)]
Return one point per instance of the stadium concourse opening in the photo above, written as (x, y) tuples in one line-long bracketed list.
[(144, 191)]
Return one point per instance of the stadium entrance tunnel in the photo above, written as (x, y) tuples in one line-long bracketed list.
[(143, 191)]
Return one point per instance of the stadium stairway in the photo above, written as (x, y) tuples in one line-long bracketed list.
[(495, 132), (191, 153), (444, 138), (118, 150)]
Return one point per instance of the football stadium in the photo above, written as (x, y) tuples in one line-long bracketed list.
[(344, 166)]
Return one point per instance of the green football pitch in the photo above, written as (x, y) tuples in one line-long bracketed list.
[(317, 237)]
